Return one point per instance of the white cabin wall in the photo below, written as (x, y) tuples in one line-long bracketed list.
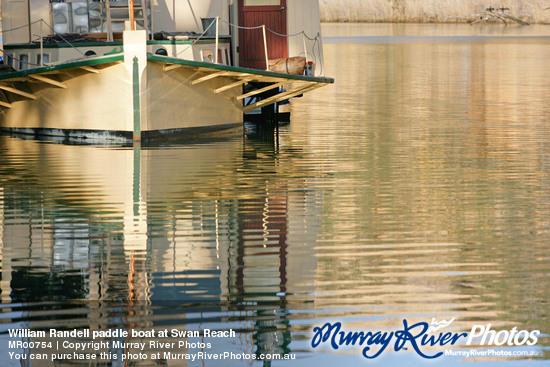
[(185, 15), (15, 13), (40, 10), (303, 15)]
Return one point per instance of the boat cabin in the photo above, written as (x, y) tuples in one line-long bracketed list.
[(245, 33)]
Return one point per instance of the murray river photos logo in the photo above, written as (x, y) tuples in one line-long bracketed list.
[(418, 336)]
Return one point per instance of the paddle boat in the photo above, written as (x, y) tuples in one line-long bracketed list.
[(138, 70)]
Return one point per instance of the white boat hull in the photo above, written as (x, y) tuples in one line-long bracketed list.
[(135, 96), (98, 106)]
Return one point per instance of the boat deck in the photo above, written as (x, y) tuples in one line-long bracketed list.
[(294, 84), (16, 85)]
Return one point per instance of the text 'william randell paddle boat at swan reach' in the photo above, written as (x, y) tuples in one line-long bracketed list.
[(139, 70)]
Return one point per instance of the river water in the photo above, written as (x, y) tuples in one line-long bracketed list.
[(414, 188)]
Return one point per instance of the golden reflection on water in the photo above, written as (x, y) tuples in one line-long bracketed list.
[(440, 198)]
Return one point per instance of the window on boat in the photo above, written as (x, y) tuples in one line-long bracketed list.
[(207, 56), (60, 12), (44, 58), (23, 61), (10, 60), (77, 16), (90, 53), (161, 52)]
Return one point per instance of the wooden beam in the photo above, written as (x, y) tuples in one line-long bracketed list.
[(208, 77), (258, 91), (90, 69), (194, 74), (232, 85), (266, 79), (230, 73), (172, 67), (281, 97), (206, 70), (53, 72), (49, 81), (17, 79), (242, 75), (5, 104), (17, 91)]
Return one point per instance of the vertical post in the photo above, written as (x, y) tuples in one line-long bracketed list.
[(135, 64), (41, 45), (152, 25), (109, 22), (217, 39), (137, 178), (136, 93), (131, 11), (304, 42), (28, 19), (265, 48)]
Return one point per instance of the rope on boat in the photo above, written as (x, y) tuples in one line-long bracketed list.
[(14, 29), (60, 36), (23, 26), (198, 38), (241, 27), (29, 25), (301, 33), (272, 31)]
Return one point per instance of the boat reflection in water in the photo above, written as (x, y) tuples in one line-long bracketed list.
[(105, 238)]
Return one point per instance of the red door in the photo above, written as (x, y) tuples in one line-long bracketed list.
[(253, 13)]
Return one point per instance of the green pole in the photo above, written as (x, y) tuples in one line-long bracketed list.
[(137, 177), (135, 89)]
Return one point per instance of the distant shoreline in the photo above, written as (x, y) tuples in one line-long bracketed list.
[(435, 11)]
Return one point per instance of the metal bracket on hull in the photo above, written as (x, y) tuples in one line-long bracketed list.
[(172, 67), (281, 96), (295, 84), (49, 81), (258, 91), (233, 85), (17, 91), (5, 104), (13, 83), (210, 76), (90, 69), (237, 78)]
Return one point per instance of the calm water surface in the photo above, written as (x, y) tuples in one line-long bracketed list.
[(415, 187)]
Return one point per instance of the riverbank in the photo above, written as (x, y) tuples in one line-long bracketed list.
[(432, 11)]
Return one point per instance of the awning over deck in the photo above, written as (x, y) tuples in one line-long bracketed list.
[(236, 77)]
